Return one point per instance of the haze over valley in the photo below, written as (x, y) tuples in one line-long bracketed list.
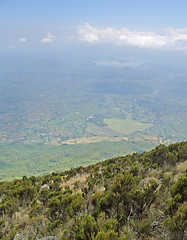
[(68, 105)]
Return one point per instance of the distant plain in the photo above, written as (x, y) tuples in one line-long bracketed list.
[(57, 113)]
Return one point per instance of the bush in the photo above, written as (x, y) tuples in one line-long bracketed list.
[(145, 227)]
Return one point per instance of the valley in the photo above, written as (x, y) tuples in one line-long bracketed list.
[(78, 108)]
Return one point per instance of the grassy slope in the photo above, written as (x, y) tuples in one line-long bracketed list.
[(140, 196)]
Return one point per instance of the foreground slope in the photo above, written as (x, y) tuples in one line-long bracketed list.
[(139, 196)]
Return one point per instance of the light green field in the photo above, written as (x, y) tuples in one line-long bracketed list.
[(17, 160), (126, 126), (101, 131)]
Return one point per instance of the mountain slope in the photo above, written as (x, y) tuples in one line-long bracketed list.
[(139, 196)]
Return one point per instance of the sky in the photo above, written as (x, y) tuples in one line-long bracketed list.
[(42, 25)]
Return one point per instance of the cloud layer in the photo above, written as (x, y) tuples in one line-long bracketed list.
[(171, 39), (23, 39), (48, 38)]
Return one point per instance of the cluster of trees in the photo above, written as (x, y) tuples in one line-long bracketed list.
[(139, 196)]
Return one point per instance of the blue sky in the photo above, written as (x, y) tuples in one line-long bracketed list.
[(45, 24)]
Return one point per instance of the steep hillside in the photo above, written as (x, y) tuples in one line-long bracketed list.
[(139, 196)]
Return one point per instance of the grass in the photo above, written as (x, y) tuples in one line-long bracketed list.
[(118, 127), (126, 126), (101, 131)]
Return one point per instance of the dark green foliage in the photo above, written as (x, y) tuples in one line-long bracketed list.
[(77, 204), (2, 225), (107, 230), (86, 228), (54, 224), (176, 212), (134, 170), (91, 182), (8, 206), (177, 223), (35, 209), (121, 190), (118, 198), (43, 195), (150, 192), (109, 235), (89, 228), (180, 187), (145, 227), (155, 165)]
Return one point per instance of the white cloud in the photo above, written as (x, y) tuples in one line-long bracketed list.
[(48, 38), (171, 39), (23, 39)]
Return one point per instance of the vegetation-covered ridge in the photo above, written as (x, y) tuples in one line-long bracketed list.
[(139, 196)]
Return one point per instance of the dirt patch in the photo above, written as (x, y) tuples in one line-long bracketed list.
[(85, 140)]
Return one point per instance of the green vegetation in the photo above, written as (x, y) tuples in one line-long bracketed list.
[(139, 196), (126, 126), (17, 160), (63, 112), (117, 127)]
